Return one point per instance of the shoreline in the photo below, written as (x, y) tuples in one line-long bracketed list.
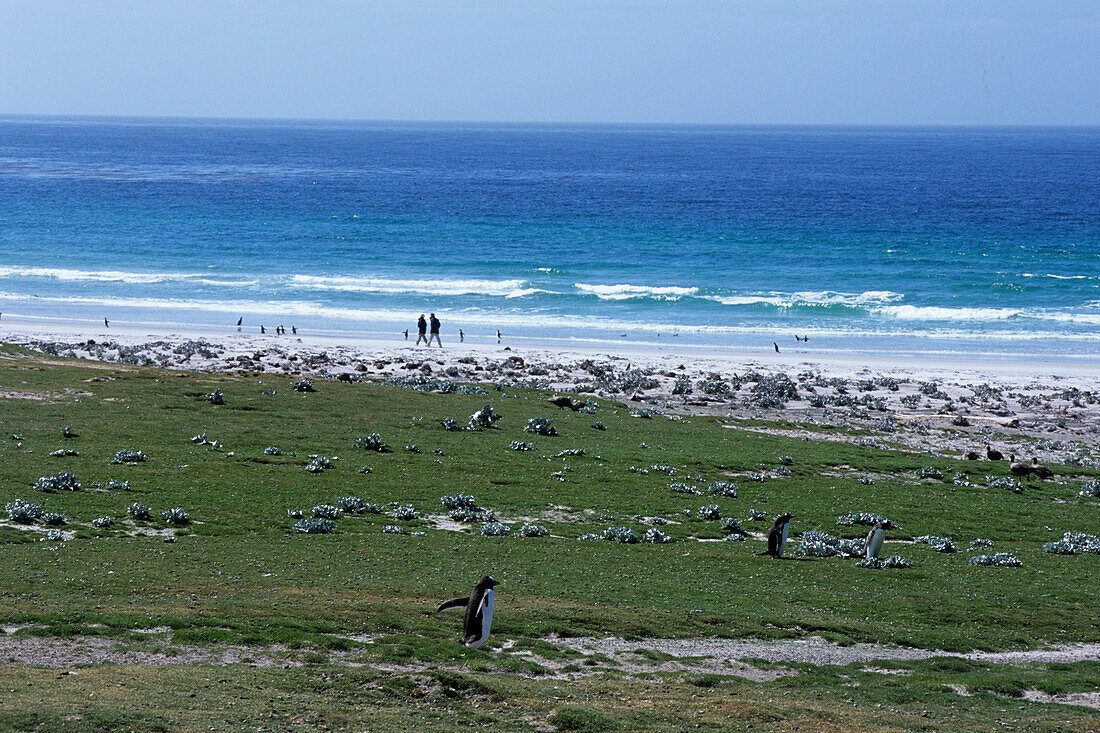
[(1006, 370), (1042, 408)]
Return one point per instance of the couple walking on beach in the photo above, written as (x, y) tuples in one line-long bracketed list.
[(422, 327)]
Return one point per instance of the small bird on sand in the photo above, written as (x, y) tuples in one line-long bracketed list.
[(479, 612), (993, 454), (873, 546), (777, 537)]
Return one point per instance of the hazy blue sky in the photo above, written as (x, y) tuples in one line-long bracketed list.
[(712, 61)]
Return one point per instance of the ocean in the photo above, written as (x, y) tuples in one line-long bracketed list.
[(945, 241)]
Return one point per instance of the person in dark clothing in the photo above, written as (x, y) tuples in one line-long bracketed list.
[(435, 332), (422, 329)]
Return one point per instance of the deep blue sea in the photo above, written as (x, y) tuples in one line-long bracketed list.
[(903, 240)]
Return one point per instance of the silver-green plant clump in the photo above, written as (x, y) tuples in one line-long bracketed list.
[(1004, 482), (496, 529), (64, 481), (894, 561), (1074, 543), (540, 426), (102, 522), (129, 456), (482, 419), (999, 559), (216, 397), (62, 452), (304, 385), (371, 442), (24, 512), (313, 525), (350, 504), (657, 537), (405, 513), (1091, 489), (867, 519), (459, 501), (175, 515), (722, 488), (625, 535), (394, 529), (451, 424), (521, 446), (273, 450), (325, 511), (137, 510), (939, 544), (317, 464), (710, 511), (533, 530)]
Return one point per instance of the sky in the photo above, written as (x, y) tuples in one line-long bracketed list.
[(848, 62)]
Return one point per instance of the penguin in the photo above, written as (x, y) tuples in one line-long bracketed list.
[(461, 336), (993, 454), (479, 612), (776, 347), (263, 330), (876, 537), (240, 321), (498, 336), (294, 330), (777, 537), (106, 324), (406, 334)]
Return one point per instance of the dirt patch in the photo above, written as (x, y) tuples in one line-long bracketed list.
[(1082, 699), (817, 651)]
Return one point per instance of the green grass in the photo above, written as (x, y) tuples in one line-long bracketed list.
[(239, 574)]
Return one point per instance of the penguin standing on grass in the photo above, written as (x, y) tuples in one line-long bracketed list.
[(876, 537), (479, 612), (777, 537)]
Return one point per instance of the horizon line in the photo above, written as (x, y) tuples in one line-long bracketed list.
[(529, 123)]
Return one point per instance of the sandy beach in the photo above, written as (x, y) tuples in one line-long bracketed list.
[(1046, 409)]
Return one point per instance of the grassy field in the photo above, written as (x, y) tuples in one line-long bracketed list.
[(238, 574)]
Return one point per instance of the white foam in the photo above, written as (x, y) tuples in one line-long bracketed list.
[(625, 292), (391, 285), (137, 278), (809, 297), (937, 313)]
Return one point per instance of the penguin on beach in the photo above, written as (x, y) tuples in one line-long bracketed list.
[(777, 537), (876, 537), (479, 612), (263, 330), (776, 347), (106, 324)]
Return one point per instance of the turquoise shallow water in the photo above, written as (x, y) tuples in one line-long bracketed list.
[(970, 241)]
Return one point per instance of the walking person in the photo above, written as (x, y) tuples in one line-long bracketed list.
[(422, 329), (435, 332)]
